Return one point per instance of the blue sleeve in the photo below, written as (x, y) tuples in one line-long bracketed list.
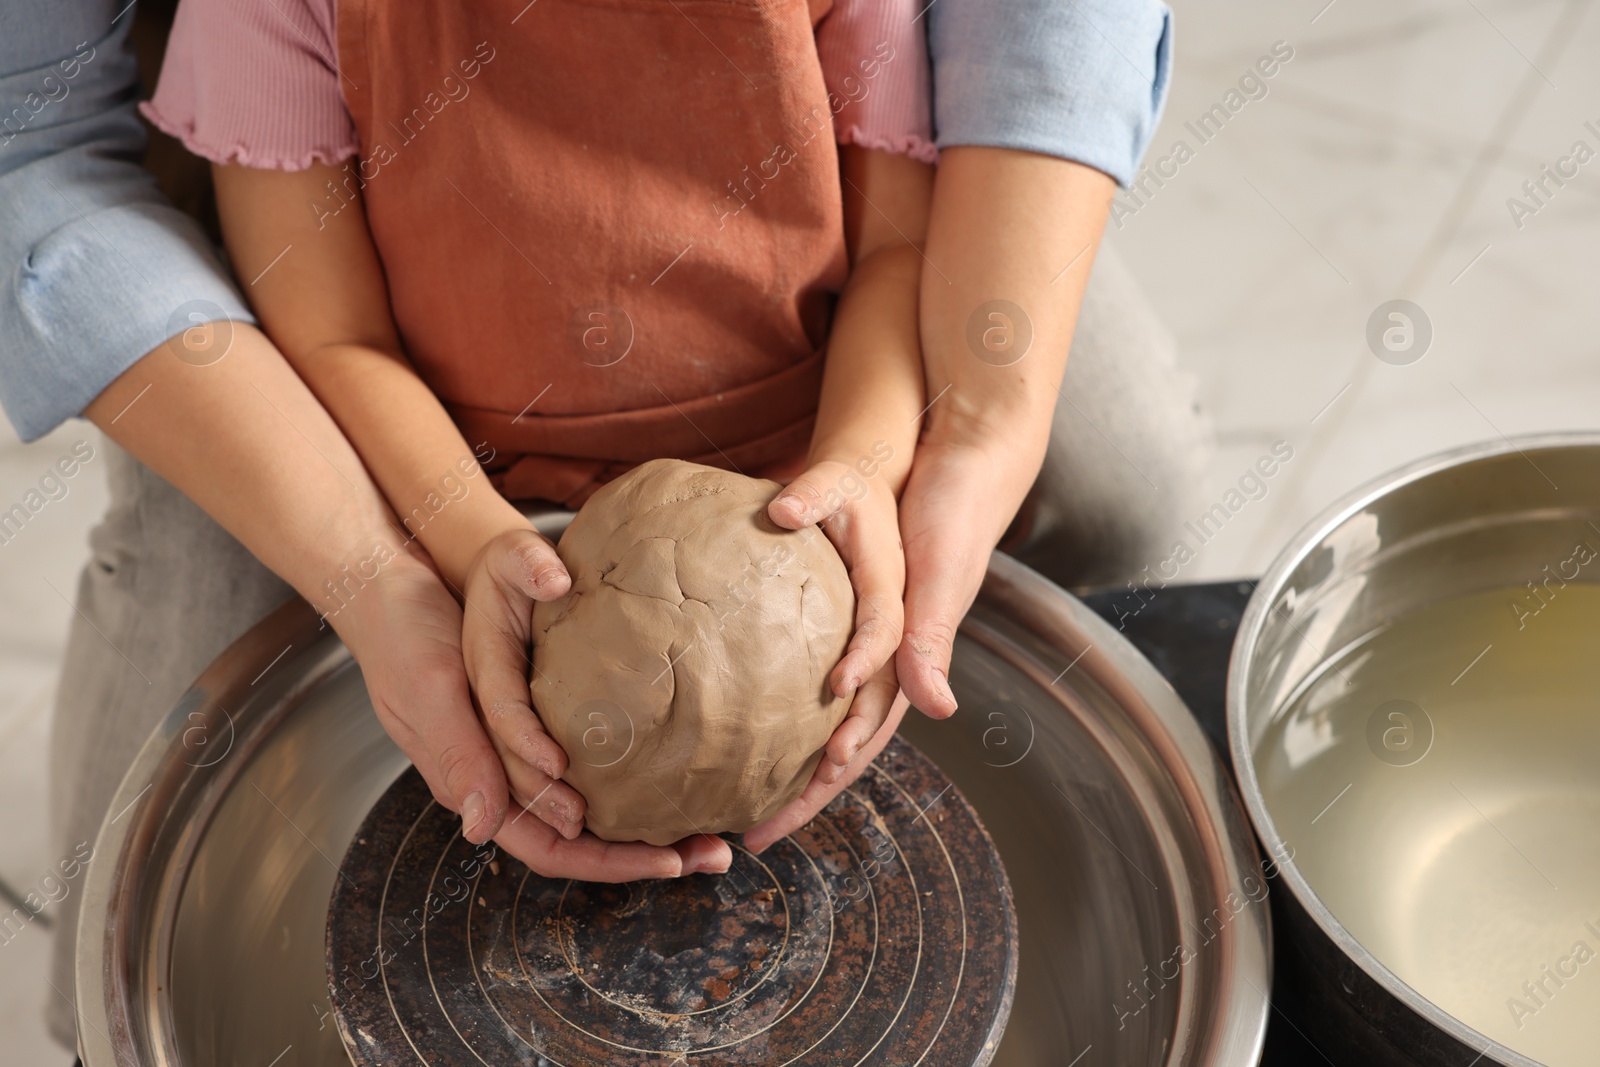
[(1079, 79), (96, 267)]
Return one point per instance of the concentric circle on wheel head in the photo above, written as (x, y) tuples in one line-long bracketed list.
[(882, 932)]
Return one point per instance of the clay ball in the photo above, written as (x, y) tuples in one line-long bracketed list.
[(685, 673)]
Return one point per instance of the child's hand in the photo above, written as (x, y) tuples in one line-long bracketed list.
[(509, 573), (818, 793), (859, 516), (512, 571)]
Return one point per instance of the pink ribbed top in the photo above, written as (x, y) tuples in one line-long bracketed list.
[(257, 81)]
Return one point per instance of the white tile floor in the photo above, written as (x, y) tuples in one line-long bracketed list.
[(38, 573), (1377, 167)]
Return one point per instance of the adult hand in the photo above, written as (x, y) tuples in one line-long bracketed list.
[(1005, 223), (406, 631), (963, 492), (966, 484)]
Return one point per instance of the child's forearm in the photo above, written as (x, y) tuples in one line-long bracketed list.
[(320, 294), (429, 473), (872, 389)]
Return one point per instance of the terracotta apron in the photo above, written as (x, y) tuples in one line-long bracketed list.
[(611, 229)]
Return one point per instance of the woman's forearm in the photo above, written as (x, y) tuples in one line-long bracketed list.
[(243, 437), (1010, 244), (1008, 228), (427, 471)]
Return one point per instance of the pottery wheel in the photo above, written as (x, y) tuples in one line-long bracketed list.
[(881, 932)]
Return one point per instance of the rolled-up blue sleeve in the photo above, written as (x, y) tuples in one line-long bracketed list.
[(98, 268), (1079, 79)]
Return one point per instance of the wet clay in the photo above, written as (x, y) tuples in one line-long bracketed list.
[(685, 673)]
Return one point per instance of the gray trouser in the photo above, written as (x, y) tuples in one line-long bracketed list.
[(166, 589), (1129, 445)]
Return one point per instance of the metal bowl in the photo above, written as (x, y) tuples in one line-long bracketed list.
[(1142, 937), (1388, 863)]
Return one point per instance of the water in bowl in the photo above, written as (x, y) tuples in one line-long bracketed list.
[(1439, 785)]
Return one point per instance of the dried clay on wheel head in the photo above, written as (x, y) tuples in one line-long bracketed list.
[(686, 672)]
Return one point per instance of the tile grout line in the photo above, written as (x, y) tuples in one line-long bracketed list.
[(1510, 119)]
